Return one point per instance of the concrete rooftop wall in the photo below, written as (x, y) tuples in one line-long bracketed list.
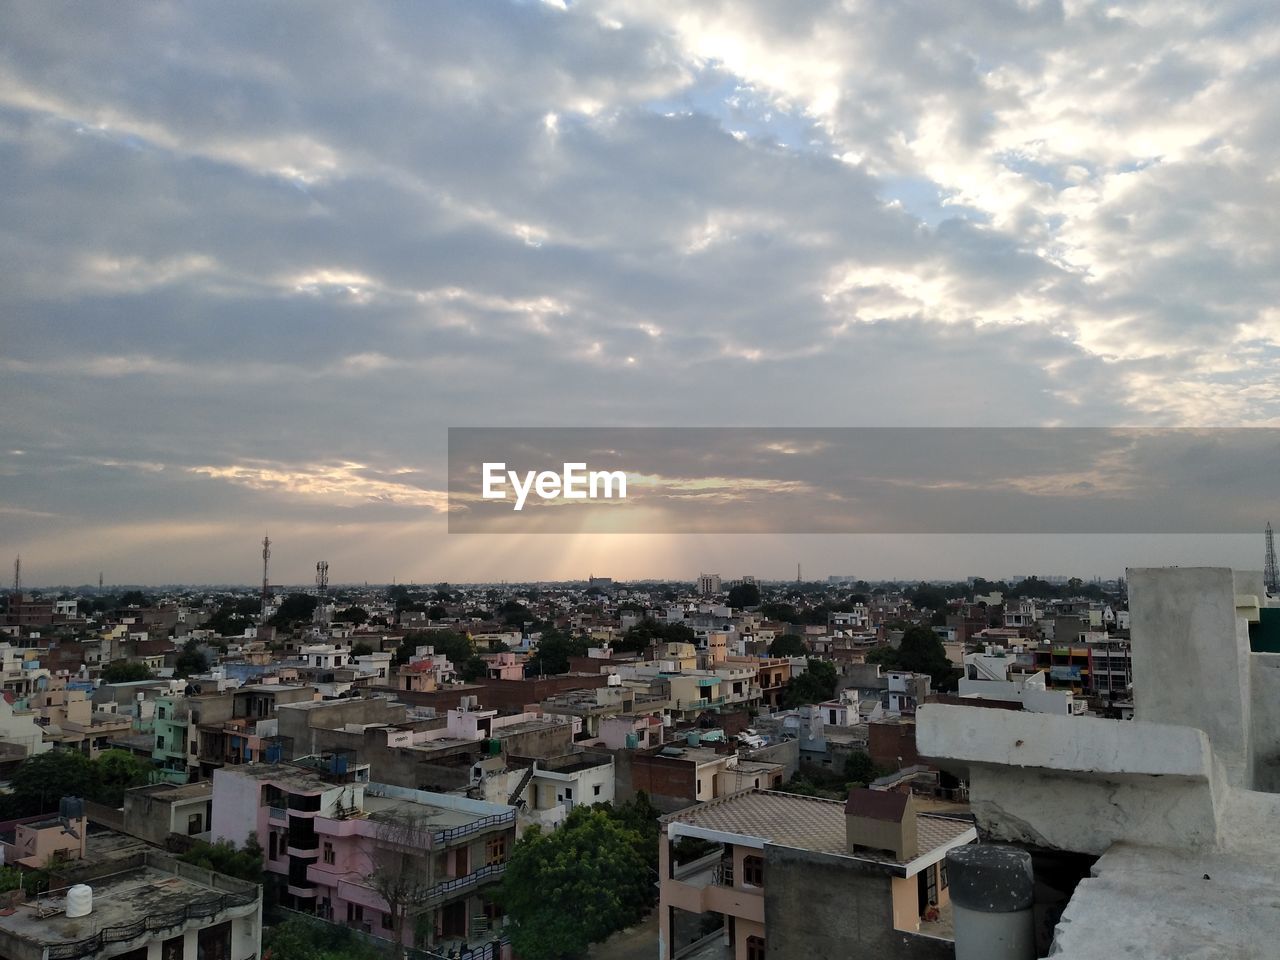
[(1191, 657)]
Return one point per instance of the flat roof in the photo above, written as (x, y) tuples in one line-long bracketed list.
[(811, 823), (119, 899)]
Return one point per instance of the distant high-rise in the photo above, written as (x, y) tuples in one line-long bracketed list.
[(708, 583), (1270, 573)]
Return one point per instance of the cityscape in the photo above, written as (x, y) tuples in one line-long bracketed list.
[(615, 480)]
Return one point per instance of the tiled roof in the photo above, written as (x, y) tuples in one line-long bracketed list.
[(804, 823)]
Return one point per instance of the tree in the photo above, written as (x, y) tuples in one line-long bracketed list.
[(295, 608), (779, 611), (592, 863), (648, 631), (244, 863), (473, 668), (125, 671), (788, 645), (456, 646), (859, 768), (191, 660), (116, 771), (356, 615), (816, 684), (42, 780), (744, 595), (555, 649), (400, 868), (305, 938), (361, 649), (233, 616)]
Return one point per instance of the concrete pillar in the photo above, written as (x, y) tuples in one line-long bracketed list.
[(992, 893)]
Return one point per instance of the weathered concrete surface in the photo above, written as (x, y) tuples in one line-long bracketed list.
[(819, 908), (1143, 902), (1264, 681), (1077, 783), (1191, 657)]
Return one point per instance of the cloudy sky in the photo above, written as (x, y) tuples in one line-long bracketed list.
[(258, 258)]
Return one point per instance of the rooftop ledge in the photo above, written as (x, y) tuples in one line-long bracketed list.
[(958, 736)]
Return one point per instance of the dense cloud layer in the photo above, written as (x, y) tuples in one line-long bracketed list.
[(259, 257)]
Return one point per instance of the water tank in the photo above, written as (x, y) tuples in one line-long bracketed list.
[(79, 900), (694, 739)]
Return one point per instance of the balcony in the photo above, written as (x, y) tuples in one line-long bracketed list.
[(357, 891), (500, 820)]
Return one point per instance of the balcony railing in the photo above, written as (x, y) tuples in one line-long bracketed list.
[(441, 837), (197, 909), (452, 888)]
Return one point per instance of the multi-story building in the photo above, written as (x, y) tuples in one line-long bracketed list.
[(795, 876), (325, 830), (708, 584), (146, 907)]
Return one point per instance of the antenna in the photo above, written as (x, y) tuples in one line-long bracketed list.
[(266, 555), (99, 581), (1270, 572), (17, 574), (322, 593)]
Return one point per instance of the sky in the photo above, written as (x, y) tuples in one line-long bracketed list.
[(257, 259)]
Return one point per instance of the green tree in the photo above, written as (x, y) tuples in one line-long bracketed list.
[(233, 616), (456, 646), (191, 660), (304, 938), (594, 864), (744, 595), (473, 668), (115, 772), (788, 645), (244, 863), (361, 649), (42, 780), (295, 608), (921, 651), (648, 631), (554, 650), (356, 615), (816, 684), (859, 768), (779, 611), (125, 671)]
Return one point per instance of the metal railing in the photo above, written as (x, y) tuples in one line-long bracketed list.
[(451, 888), (196, 910), (476, 826)]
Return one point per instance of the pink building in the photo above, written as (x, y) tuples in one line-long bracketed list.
[(324, 828), (504, 666)]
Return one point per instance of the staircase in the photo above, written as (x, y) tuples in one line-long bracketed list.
[(524, 782)]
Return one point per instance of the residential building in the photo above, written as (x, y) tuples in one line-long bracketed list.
[(147, 906), (324, 826), (795, 876)]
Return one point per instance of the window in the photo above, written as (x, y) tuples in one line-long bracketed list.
[(931, 885), (942, 873), (495, 850), (194, 824), (755, 948), (596, 790), (172, 948), (568, 793), (273, 845), (753, 871), (328, 853)]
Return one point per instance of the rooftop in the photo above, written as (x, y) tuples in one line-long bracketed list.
[(151, 892), (810, 823)]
